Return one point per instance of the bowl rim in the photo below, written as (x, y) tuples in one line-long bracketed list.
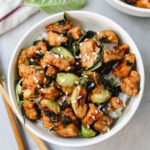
[(144, 11), (93, 140)]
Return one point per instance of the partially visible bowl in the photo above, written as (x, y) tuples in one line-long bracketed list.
[(129, 9), (90, 21)]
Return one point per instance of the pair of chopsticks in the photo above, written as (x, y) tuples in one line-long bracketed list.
[(10, 109)]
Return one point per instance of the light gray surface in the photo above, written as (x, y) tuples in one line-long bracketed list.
[(136, 134)]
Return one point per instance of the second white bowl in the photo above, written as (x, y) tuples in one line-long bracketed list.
[(129, 9)]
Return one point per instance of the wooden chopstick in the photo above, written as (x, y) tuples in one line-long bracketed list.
[(13, 125), (6, 98)]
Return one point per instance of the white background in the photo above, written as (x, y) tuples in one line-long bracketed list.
[(136, 134)]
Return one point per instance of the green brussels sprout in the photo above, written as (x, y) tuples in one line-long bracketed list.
[(100, 97), (67, 79), (64, 52), (51, 105), (87, 132), (78, 98), (18, 90)]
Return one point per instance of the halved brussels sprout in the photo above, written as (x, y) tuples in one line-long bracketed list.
[(87, 132), (18, 90), (64, 52), (67, 79), (27, 93), (100, 97), (78, 98), (51, 105)]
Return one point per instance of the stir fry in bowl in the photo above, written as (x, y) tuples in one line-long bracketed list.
[(77, 83), (139, 3)]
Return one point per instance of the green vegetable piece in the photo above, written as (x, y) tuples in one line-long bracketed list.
[(78, 101), (51, 6), (67, 79), (101, 97), (18, 91), (87, 132), (96, 66), (64, 52), (51, 105), (36, 42), (64, 21), (129, 63), (111, 81), (1, 78)]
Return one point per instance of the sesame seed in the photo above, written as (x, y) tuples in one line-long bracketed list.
[(77, 63), (41, 51), (109, 38), (37, 51), (103, 109), (88, 126), (117, 100), (32, 60), (92, 85), (59, 38), (63, 80), (84, 60), (52, 83), (79, 97), (41, 89), (95, 58), (69, 67), (57, 56), (64, 98), (94, 53), (96, 111), (94, 74), (36, 79), (31, 66), (38, 85), (78, 87), (61, 56), (76, 82), (85, 75), (99, 107), (81, 44), (74, 101), (108, 129), (93, 117), (59, 49), (66, 92), (98, 33)]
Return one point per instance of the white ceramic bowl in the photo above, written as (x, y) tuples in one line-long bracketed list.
[(91, 21), (129, 9)]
